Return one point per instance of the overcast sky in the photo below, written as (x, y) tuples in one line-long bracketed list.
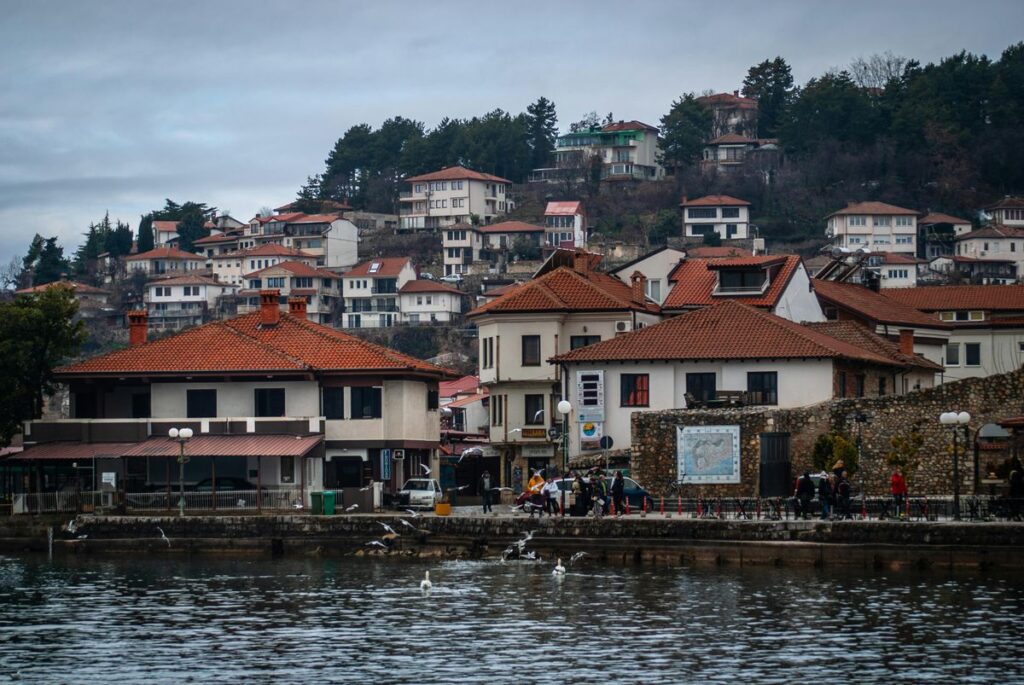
[(118, 105)]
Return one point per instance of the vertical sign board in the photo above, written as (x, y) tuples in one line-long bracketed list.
[(590, 396), (385, 465)]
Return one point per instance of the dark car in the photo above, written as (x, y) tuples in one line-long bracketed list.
[(224, 484), (632, 491)]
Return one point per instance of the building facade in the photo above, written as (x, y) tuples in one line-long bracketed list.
[(622, 150), (727, 216), (874, 226), (319, 288), (164, 261), (451, 196), (183, 301), (426, 302), (371, 292)]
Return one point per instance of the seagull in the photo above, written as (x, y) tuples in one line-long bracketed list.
[(71, 527), (576, 557), (365, 489), (164, 536), (504, 489), (376, 543), (472, 452), (425, 584), (352, 508), (559, 570), (407, 524), (522, 543), (426, 468), (537, 417), (532, 556), (411, 512), (388, 528), (461, 488), (82, 537)]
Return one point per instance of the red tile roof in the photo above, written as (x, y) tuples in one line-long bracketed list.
[(218, 238), (242, 345), (695, 281), (425, 286), (456, 173), (264, 445), (897, 258), (1007, 203), (872, 306), (567, 290), (714, 201), (940, 218), (75, 286), (190, 280), (165, 225), (313, 219), (389, 266), (743, 262), (563, 208), (723, 331), (165, 253), (458, 386), (266, 250), (297, 268), (509, 227), (708, 252), (993, 231), (856, 334), (76, 450), (951, 297), (729, 99), (731, 139), (872, 208), (468, 400), (628, 126)]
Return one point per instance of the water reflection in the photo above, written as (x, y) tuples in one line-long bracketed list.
[(339, 620)]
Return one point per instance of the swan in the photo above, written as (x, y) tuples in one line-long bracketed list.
[(425, 584), (559, 570)]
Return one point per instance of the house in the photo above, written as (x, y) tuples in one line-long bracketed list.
[(182, 301), (656, 266), (319, 288), (567, 305), (163, 261), (92, 302), (727, 216), (874, 226), (936, 234), (896, 270), (994, 253), (232, 266), (463, 245), (332, 239), (371, 292), (1007, 212), (467, 402), (622, 150), (727, 353), (165, 233), (717, 251), (776, 283), (986, 321), (732, 151), (453, 195), (272, 398), (731, 114), (429, 302), (565, 225)]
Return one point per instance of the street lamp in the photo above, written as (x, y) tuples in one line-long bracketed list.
[(954, 420), (181, 436), (564, 407)]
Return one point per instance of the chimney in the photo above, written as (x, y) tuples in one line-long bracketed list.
[(639, 283), (270, 311), (138, 325), (581, 262), (907, 341), (297, 307), (735, 93)]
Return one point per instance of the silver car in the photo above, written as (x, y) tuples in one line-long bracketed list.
[(420, 492)]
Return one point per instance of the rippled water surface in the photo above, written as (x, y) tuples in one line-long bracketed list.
[(156, 620)]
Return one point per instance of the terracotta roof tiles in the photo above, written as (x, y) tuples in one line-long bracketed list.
[(456, 173), (696, 279), (425, 286), (714, 201), (880, 208), (297, 268), (872, 306), (387, 266), (74, 286), (509, 227), (952, 297), (164, 253), (562, 208), (940, 218)]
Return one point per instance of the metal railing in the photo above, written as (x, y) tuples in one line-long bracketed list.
[(225, 500)]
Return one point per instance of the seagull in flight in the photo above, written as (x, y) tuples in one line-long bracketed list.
[(164, 536), (426, 469), (376, 543), (388, 528), (412, 512), (470, 452), (576, 557), (352, 508), (407, 524)]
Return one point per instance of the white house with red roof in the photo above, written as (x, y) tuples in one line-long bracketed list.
[(453, 195), (182, 301), (896, 270), (656, 266), (165, 233), (425, 302), (274, 400), (371, 292), (992, 254), (163, 261), (1008, 211), (874, 226), (321, 289), (331, 238), (727, 216), (486, 245), (565, 225), (231, 267)]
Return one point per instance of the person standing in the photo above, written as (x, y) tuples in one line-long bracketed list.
[(618, 492), (825, 496), (1016, 488), (600, 494), (804, 495), (486, 490), (898, 488), (843, 491), (551, 493)]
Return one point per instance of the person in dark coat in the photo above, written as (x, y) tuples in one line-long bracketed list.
[(618, 492), (825, 496), (486, 490), (843, 492), (804, 495), (1016, 488)]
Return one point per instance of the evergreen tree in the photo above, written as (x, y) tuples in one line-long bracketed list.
[(830, 108), (771, 84), (51, 265), (146, 233), (684, 130), (31, 261), (543, 126), (119, 241), (191, 218)]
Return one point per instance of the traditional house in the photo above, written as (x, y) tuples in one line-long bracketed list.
[(991, 255), (182, 301), (429, 302), (464, 245), (92, 302), (937, 232), (731, 114), (321, 289), (371, 292), (332, 239), (565, 225), (453, 196), (1007, 212), (874, 226), (164, 261), (231, 267), (621, 150)]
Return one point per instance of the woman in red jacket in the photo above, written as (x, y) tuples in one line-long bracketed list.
[(898, 486)]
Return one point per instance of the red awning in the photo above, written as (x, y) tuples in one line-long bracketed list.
[(74, 450), (228, 446)]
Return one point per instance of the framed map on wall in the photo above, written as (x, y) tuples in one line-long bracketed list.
[(708, 454)]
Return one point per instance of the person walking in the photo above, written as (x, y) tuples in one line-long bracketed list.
[(486, 490), (898, 488), (551, 493), (804, 495), (843, 491), (618, 492), (825, 496)]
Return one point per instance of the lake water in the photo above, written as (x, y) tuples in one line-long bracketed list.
[(245, 620)]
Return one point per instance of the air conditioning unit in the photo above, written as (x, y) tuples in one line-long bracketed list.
[(620, 326)]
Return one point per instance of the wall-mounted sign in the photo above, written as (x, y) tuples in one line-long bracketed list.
[(110, 478), (589, 396), (591, 431), (541, 433), (708, 454), (385, 464)]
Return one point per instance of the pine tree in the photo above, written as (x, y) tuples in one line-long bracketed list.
[(146, 233), (51, 265), (684, 130), (543, 130), (771, 84)]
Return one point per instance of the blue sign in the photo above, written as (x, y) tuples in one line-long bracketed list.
[(385, 464)]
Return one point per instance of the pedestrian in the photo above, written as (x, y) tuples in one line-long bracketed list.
[(600, 494), (1016, 488), (551, 493), (825, 496), (618, 492), (581, 499), (804, 495), (838, 468), (486, 490), (898, 488), (843, 491)]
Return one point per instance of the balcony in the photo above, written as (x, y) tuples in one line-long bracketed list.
[(137, 430)]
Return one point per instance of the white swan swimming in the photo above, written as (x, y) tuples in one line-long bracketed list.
[(425, 584), (559, 570)]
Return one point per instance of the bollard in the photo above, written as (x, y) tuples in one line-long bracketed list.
[(643, 505), (627, 506), (908, 507), (680, 505), (661, 509), (611, 507)]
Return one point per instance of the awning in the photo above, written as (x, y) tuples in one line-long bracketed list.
[(73, 450), (228, 446)]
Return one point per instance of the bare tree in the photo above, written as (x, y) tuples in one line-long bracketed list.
[(877, 70), (10, 275)]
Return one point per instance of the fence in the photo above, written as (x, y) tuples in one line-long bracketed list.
[(233, 500)]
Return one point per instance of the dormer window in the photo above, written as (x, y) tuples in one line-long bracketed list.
[(742, 280)]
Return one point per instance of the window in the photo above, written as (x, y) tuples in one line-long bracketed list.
[(366, 403), (287, 469), (654, 290), (634, 390), (730, 280), (972, 354), (140, 406), (487, 353), (277, 282), (432, 399), (841, 389), (904, 240), (302, 282), (269, 401), (730, 230), (531, 350), (701, 386), (578, 341), (953, 354), (857, 221), (419, 300), (730, 212), (534, 410), (497, 410), (881, 386), (702, 212), (763, 387), (881, 221), (858, 384), (904, 221), (200, 404), (334, 403)]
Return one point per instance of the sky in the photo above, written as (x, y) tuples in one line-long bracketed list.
[(114, 106)]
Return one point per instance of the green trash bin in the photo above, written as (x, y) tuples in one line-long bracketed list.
[(329, 502), (316, 500)]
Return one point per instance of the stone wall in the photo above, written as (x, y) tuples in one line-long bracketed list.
[(988, 400)]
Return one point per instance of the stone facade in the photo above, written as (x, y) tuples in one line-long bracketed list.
[(988, 400)]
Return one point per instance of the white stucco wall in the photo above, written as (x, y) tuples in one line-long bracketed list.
[(798, 302)]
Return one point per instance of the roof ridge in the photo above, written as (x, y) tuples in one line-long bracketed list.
[(279, 352)]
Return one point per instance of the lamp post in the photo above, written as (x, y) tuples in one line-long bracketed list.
[(181, 436), (564, 407), (955, 420)]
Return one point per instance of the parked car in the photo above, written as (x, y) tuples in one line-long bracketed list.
[(454, 279), (427, 276), (224, 484), (632, 491), (419, 493)]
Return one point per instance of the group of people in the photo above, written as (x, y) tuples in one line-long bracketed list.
[(596, 495), (833, 490), (543, 494)]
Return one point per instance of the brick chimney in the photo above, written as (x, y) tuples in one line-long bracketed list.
[(581, 262), (270, 311), (907, 341), (297, 307), (735, 93), (639, 283), (138, 327)]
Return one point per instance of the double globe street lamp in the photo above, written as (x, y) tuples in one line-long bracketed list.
[(181, 436), (956, 420)]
